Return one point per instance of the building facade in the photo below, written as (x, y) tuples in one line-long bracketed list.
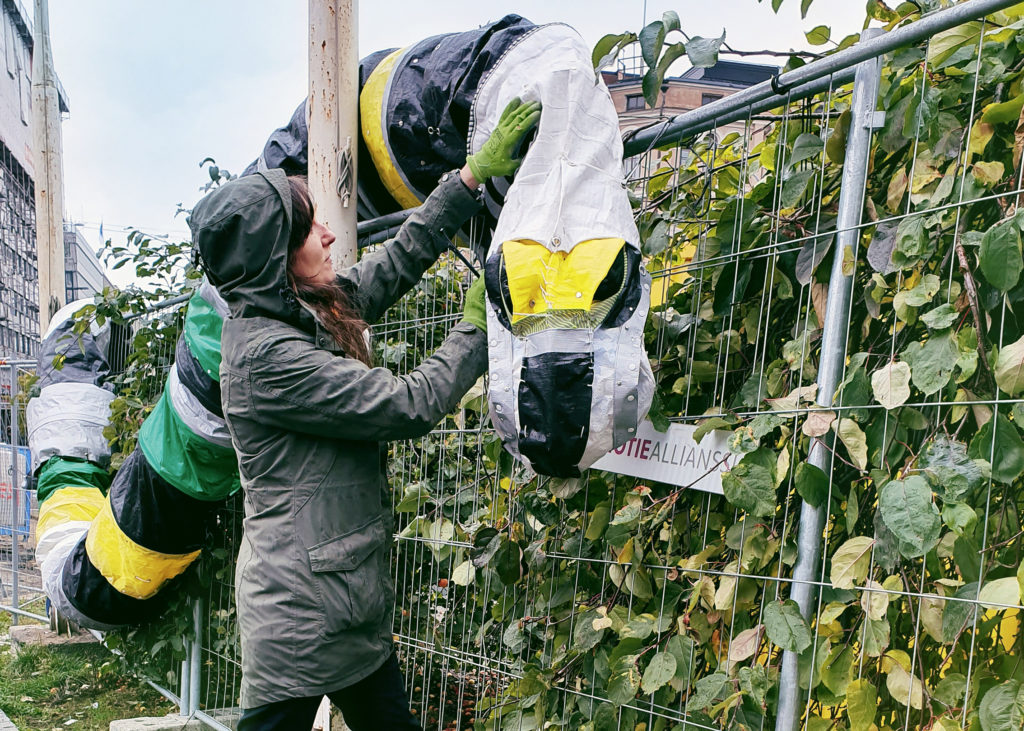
[(694, 88), (83, 274), (19, 280)]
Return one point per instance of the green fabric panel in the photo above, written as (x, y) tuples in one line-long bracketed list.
[(199, 469), (61, 472), (202, 333)]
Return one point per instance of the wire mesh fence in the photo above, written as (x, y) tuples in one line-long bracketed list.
[(835, 305)]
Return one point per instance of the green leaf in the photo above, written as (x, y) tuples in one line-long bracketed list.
[(608, 48), (931, 363), (598, 520), (464, 573), (584, 636), (707, 689), (948, 467), (891, 384), (861, 705), (805, 5), (1009, 368), (999, 592), (819, 35), (794, 187), (785, 627), (807, 145), (1008, 111), (1000, 255), (811, 484), (1002, 708), (909, 512), (703, 52), (624, 683), (956, 614), (684, 650), (1005, 446), (852, 437), (415, 496), (508, 561), (941, 317), (850, 562), (912, 239), (660, 670), (651, 39), (835, 674), (750, 487)]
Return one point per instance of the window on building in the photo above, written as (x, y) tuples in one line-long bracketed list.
[(708, 98), (11, 46), (635, 101)]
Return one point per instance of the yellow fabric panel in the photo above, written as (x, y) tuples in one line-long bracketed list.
[(371, 119), (68, 504), (540, 279), (131, 569)]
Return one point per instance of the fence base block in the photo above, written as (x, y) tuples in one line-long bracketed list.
[(172, 722), (28, 634)]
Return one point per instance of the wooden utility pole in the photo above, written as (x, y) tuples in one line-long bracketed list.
[(48, 159), (333, 116)]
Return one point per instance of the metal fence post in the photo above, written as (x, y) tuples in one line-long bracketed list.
[(195, 655), (806, 572), (15, 491)]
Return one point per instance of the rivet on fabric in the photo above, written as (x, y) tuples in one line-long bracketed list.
[(631, 430), (556, 241), (578, 295), (631, 397), (497, 407)]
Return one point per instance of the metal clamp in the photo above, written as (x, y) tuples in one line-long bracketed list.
[(346, 168)]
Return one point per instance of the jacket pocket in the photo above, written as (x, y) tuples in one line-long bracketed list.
[(347, 573)]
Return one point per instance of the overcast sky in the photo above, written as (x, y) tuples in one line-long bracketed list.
[(156, 87)]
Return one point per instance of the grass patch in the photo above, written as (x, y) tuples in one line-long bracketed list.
[(43, 688)]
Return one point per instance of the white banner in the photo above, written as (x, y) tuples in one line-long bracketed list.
[(673, 457)]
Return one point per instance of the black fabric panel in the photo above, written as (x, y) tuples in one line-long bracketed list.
[(624, 307), (496, 282), (554, 411), (195, 379), (286, 148), (93, 596), (435, 87), (84, 362), (155, 514)]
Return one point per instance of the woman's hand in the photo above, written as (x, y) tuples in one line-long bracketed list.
[(495, 157)]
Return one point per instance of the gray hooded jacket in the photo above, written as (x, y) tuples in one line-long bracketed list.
[(313, 585)]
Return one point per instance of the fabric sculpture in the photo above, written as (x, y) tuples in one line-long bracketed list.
[(106, 547), (567, 300)]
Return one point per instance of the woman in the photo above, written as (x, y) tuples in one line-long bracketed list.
[(309, 416)]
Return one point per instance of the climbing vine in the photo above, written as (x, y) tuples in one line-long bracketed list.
[(611, 603)]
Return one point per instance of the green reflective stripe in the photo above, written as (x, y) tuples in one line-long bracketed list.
[(193, 465), (59, 472), (202, 333)]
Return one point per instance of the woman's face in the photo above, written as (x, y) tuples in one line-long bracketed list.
[(312, 262)]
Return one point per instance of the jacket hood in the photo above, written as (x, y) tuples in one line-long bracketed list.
[(241, 230)]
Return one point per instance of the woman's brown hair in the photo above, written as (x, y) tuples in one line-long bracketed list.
[(329, 301)]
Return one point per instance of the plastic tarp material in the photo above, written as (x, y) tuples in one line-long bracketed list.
[(67, 419), (133, 570), (202, 332), (188, 461), (62, 472), (83, 356), (567, 293)]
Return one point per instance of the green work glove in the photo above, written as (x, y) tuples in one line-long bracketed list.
[(495, 157), (473, 311)]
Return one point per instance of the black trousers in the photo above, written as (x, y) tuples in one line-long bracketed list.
[(376, 703)]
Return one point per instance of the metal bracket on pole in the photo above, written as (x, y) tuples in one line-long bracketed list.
[(835, 330), (346, 166)]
